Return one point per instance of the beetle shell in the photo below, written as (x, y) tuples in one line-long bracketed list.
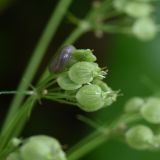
[(61, 59)]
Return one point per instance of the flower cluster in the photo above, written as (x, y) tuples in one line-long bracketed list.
[(83, 79), (140, 11), (38, 148), (145, 135)]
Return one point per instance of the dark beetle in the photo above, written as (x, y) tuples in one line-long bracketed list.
[(61, 59)]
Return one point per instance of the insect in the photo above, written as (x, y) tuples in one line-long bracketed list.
[(61, 59)]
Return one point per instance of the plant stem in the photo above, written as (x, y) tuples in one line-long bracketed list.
[(99, 137), (114, 29), (75, 35), (29, 92), (15, 126), (88, 144), (38, 54)]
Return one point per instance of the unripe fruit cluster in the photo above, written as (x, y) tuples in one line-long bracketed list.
[(84, 76), (142, 136), (149, 108), (143, 27), (38, 148)]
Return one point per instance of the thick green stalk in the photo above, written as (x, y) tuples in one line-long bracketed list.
[(38, 54)]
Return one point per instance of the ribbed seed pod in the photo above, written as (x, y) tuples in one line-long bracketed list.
[(90, 98), (83, 72), (65, 83), (41, 148), (151, 110), (139, 137)]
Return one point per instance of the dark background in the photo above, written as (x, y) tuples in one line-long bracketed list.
[(131, 63)]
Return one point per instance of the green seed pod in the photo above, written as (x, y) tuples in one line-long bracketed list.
[(139, 137), (144, 29), (110, 98), (151, 110), (65, 83), (41, 148), (83, 72), (108, 95), (84, 55), (14, 156), (138, 9), (134, 105), (102, 85), (90, 98)]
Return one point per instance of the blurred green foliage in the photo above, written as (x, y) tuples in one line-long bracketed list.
[(133, 68)]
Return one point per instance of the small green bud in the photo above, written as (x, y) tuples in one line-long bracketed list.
[(65, 83), (134, 104), (102, 85), (108, 95), (41, 148), (119, 4), (14, 156), (90, 98), (138, 9), (139, 137), (83, 72), (110, 98), (144, 29), (84, 55), (151, 110)]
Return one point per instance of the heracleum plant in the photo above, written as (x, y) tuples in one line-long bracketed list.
[(74, 77)]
